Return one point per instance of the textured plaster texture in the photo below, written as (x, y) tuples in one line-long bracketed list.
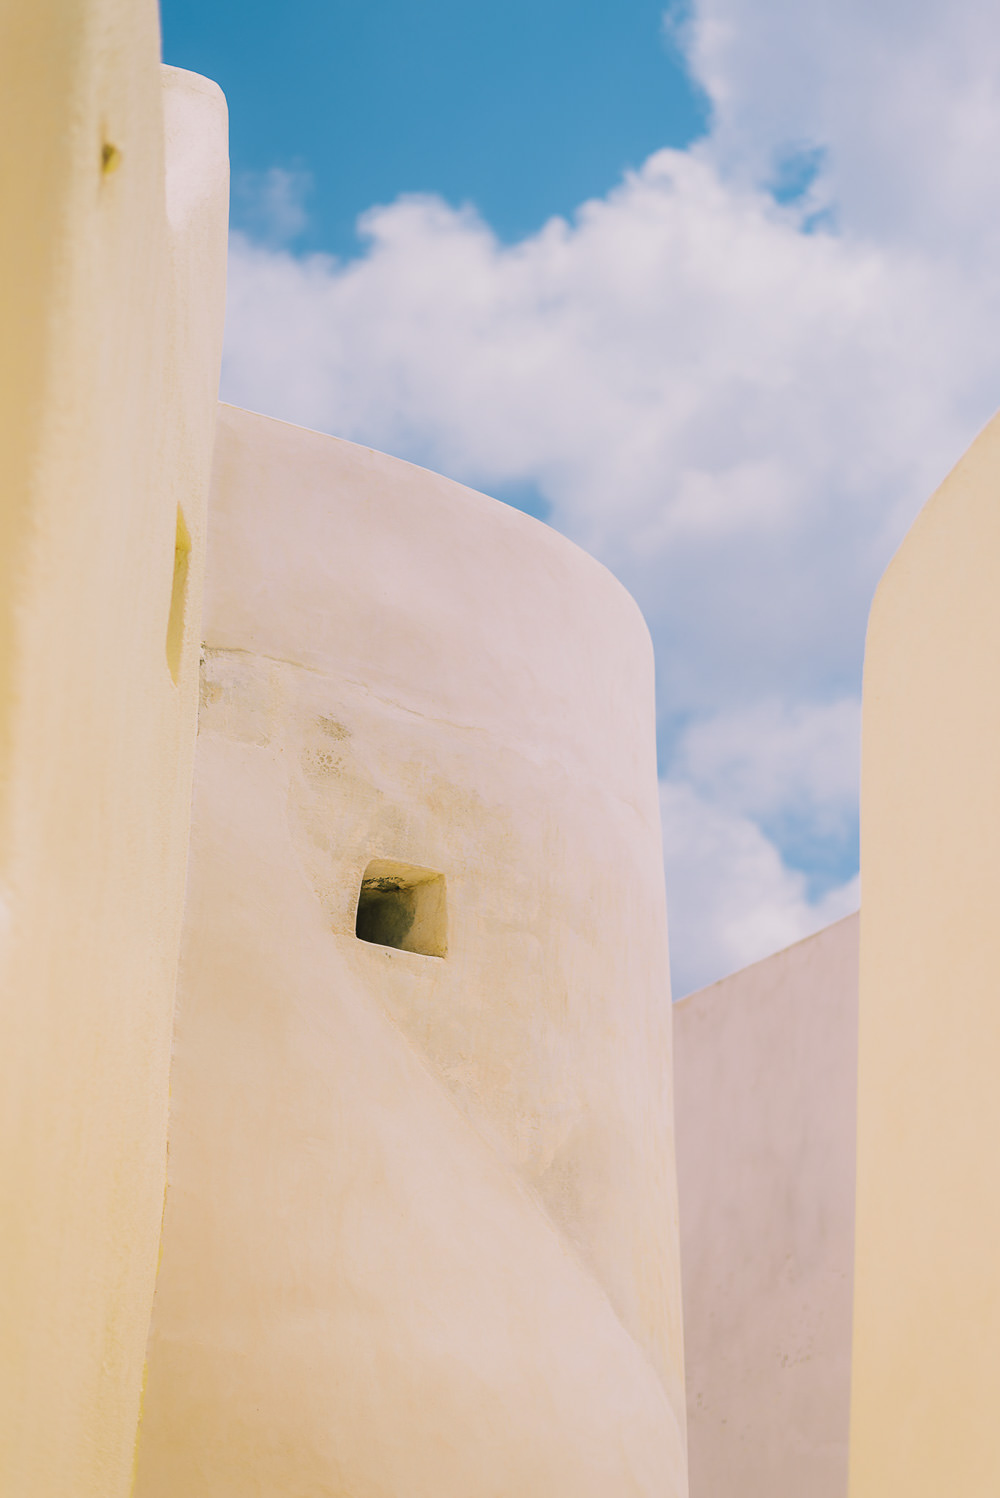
[(764, 1067), (927, 1307), (420, 1233), (112, 259)]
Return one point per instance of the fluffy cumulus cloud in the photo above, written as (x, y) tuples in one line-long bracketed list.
[(900, 98), (734, 379), (732, 897)]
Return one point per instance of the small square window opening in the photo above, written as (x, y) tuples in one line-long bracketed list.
[(403, 906)]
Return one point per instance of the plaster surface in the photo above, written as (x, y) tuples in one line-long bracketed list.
[(764, 1078), (927, 1305), (112, 257), (420, 1232)]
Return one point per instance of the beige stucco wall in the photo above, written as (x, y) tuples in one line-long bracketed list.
[(764, 1067), (420, 1235), (111, 282), (927, 1310)]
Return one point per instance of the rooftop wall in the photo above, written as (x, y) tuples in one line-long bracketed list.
[(764, 1068)]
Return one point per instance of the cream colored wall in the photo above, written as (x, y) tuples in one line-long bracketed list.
[(420, 1234), (927, 1309), (111, 284), (764, 1077)]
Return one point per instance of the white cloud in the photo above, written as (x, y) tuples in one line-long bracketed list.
[(904, 95), (730, 896), (738, 415), (272, 204), (772, 759)]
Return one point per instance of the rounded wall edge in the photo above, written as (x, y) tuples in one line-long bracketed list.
[(333, 556), (530, 525), (958, 486)]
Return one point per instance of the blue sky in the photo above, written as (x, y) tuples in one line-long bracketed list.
[(717, 299), (524, 109)]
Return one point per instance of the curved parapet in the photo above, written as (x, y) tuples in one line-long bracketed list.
[(420, 1235), (926, 1363)]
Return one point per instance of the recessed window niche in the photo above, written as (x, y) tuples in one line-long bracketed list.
[(403, 906)]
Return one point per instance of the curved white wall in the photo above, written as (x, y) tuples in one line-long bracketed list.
[(927, 1300), (420, 1233)]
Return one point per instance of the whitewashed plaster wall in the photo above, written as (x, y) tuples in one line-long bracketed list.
[(927, 1304), (112, 294), (420, 1233), (765, 1085)]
